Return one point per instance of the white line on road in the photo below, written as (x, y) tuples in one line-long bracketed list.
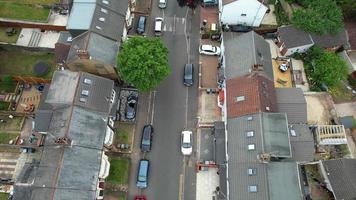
[(153, 107), (149, 107), (174, 24)]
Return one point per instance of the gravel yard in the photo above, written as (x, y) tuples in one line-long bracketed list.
[(124, 93)]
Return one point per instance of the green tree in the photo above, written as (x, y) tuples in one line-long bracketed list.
[(318, 16), (325, 67), (143, 62), (348, 8)]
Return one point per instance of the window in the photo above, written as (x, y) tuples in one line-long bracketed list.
[(105, 2), (249, 118), (87, 81), (103, 10), (243, 15), (249, 133), (252, 188), (102, 19), (98, 27), (81, 99), (252, 171), (85, 92), (293, 133), (251, 147), (240, 98)]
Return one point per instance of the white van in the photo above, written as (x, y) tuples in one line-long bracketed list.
[(158, 26), (162, 3)]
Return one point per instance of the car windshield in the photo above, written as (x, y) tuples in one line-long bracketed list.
[(142, 178), (186, 145), (146, 141)]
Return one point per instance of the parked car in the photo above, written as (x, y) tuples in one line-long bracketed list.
[(188, 75), (141, 25), (158, 26), (131, 107), (240, 28), (207, 3), (187, 142), (146, 139), (207, 49), (162, 3), (142, 174)]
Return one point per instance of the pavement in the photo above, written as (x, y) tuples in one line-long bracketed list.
[(346, 109)]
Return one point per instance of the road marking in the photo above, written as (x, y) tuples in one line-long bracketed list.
[(153, 107), (174, 24), (181, 187), (149, 107)]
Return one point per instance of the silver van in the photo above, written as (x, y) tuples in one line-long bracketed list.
[(158, 26), (162, 3)]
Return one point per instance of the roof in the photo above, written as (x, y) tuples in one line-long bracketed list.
[(283, 175), (264, 2), (341, 175), (293, 37), (292, 102), (219, 142), (270, 135), (250, 94), (302, 144), (42, 120), (349, 59), (63, 87), (330, 41), (107, 20), (347, 121), (243, 52), (98, 47), (61, 51), (64, 37)]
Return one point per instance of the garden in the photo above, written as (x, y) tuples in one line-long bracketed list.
[(21, 11), (117, 181)]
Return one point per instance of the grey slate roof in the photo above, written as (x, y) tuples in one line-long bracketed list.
[(292, 102), (330, 41), (98, 47), (302, 144), (348, 61), (219, 144), (244, 51), (43, 120), (341, 174), (292, 37), (267, 139), (64, 37)]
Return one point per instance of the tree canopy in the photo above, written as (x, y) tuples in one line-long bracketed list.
[(318, 16), (325, 67), (143, 62), (348, 8)]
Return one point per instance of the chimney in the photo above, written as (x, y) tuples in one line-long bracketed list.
[(82, 54), (257, 67)]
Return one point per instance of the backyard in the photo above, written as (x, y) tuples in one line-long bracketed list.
[(9, 39), (4, 105), (11, 125), (119, 170), (6, 137), (19, 62), (315, 181), (21, 11), (4, 196), (342, 94)]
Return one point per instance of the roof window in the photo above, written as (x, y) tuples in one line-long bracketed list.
[(85, 92), (102, 19), (250, 118), (103, 10), (251, 147), (252, 188), (87, 81), (293, 133), (240, 98), (82, 99), (252, 171), (249, 133), (98, 27), (105, 2)]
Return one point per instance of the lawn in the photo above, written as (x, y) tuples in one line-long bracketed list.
[(4, 196), (7, 87), (123, 133), (14, 124), (4, 105), (9, 39), (6, 137), (119, 170), (20, 11), (341, 94), (19, 62), (41, 2)]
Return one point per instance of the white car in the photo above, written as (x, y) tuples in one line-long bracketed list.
[(207, 49), (187, 142)]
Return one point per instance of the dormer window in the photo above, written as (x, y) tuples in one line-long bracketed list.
[(102, 19), (85, 92)]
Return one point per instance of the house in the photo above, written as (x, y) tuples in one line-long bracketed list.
[(339, 176), (109, 18), (250, 94), (243, 54), (93, 53), (73, 118), (293, 40), (292, 102), (242, 12)]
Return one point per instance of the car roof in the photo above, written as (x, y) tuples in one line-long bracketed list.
[(186, 136), (207, 47)]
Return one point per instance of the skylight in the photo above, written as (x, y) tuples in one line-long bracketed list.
[(85, 92)]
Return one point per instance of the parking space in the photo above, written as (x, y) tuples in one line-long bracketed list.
[(127, 110), (206, 144)]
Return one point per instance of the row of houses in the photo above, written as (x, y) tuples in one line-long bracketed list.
[(267, 140)]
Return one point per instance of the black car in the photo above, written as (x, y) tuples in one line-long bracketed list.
[(240, 28), (146, 140), (131, 107), (141, 25), (188, 75)]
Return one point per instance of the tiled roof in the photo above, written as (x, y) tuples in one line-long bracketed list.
[(293, 37), (250, 94), (292, 102)]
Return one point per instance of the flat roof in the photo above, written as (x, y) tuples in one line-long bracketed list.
[(81, 15)]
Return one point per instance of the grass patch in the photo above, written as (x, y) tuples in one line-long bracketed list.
[(6, 137), (271, 1), (6, 87), (123, 133), (281, 16), (33, 2), (23, 12), (19, 62), (4, 105), (119, 171), (341, 94), (4, 196), (14, 124), (9, 39)]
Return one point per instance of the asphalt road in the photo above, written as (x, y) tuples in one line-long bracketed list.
[(171, 109)]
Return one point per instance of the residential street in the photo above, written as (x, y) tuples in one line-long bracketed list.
[(173, 108)]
